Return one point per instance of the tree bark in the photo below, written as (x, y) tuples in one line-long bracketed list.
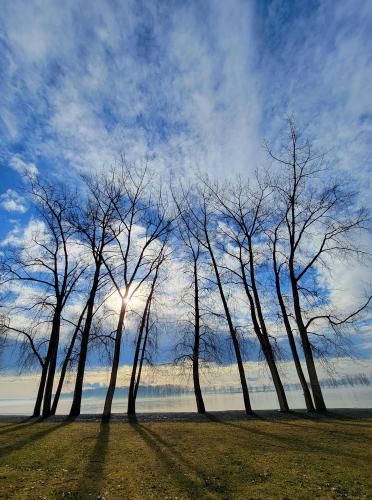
[(131, 395), (306, 346), (53, 344), (266, 346), (307, 395), (115, 364), (40, 393), (243, 380), (65, 364), (195, 355), (78, 391), (259, 326), (142, 357)]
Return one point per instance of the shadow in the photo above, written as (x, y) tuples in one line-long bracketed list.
[(179, 466), (332, 430), (190, 487), (33, 437), (132, 419), (27, 422), (329, 417), (293, 442), (91, 480), (212, 417)]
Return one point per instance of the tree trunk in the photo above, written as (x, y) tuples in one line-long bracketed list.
[(142, 357), (195, 355), (269, 355), (131, 395), (53, 343), (65, 363), (115, 364), (78, 391), (262, 335), (40, 393), (309, 358), (243, 380), (307, 395)]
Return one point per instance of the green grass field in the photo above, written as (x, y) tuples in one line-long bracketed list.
[(242, 459)]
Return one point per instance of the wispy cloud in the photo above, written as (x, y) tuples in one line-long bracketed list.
[(172, 79), (22, 167), (197, 84), (11, 201)]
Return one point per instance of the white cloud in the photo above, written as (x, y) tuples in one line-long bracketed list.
[(11, 201), (20, 236), (196, 83), (22, 167)]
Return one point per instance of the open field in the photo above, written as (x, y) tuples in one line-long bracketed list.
[(218, 456)]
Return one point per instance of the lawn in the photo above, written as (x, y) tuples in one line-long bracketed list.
[(294, 458)]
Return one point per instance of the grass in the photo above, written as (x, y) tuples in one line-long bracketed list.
[(294, 458)]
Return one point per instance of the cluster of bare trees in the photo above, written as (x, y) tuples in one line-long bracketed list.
[(252, 251), (111, 239)]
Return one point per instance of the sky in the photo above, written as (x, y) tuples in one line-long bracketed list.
[(192, 84)]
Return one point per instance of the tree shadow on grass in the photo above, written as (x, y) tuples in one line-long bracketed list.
[(332, 430), (32, 438), (90, 482), (293, 442), (178, 467), (20, 425), (329, 418)]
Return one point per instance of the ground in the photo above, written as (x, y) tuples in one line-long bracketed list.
[(218, 456)]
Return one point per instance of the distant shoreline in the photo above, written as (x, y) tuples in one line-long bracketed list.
[(271, 415)]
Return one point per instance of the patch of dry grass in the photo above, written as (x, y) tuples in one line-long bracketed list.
[(238, 459)]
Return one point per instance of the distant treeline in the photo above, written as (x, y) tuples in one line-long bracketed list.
[(154, 391)]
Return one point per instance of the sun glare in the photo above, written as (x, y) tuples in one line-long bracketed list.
[(115, 300)]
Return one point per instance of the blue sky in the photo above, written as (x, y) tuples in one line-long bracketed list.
[(195, 84)]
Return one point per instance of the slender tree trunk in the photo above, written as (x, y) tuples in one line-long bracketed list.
[(131, 395), (115, 364), (262, 335), (40, 393), (54, 342), (243, 380), (307, 395), (195, 355), (306, 346), (65, 363), (142, 357), (78, 391), (269, 355)]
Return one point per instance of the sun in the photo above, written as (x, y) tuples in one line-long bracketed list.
[(114, 301)]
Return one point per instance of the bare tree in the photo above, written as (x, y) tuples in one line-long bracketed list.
[(319, 220), (277, 266), (67, 359), (133, 257), (45, 264), (96, 229), (198, 343), (31, 345), (199, 215), (142, 338), (245, 213)]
